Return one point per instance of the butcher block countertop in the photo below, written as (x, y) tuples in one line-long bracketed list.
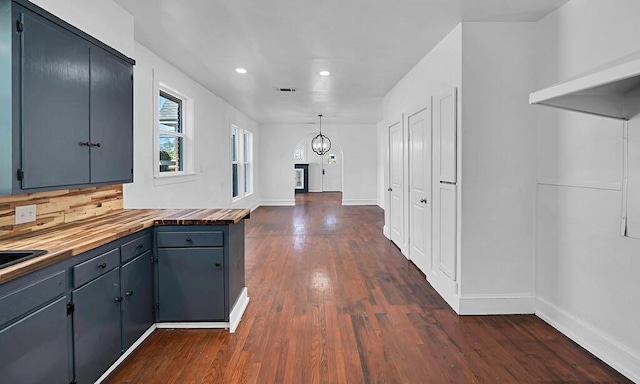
[(69, 240)]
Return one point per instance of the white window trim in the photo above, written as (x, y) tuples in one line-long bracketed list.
[(187, 172), (241, 162), (250, 162)]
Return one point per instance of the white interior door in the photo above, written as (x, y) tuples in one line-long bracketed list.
[(445, 114), (420, 203), (332, 171), (396, 200)]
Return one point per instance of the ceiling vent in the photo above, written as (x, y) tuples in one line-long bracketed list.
[(285, 89)]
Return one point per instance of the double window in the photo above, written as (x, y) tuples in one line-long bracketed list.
[(241, 162)]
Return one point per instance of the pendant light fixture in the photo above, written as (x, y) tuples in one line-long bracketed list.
[(321, 143)]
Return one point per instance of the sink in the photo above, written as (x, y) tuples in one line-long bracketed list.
[(8, 258)]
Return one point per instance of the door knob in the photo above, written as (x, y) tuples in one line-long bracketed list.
[(389, 189), (117, 299), (423, 201), (129, 294)]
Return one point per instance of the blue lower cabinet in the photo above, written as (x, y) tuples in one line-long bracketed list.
[(96, 326), (137, 298), (35, 349), (191, 284)]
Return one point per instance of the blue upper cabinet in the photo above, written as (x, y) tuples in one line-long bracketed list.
[(66, 105), (54, 85), (111, 120)]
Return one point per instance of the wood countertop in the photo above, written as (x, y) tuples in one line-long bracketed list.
[(69, 240)]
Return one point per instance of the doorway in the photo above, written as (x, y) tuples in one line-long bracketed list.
[(324, 173), (331, 169)]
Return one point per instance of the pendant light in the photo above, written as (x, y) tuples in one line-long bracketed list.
[(321, 143)]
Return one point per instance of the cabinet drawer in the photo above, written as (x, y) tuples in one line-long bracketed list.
[(19, 302), (136, 247), (189, 239), (90, 269)]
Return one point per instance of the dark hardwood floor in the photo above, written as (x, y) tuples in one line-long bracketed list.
[(333, 301)]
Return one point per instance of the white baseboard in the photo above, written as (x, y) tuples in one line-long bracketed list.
[(238, 310), (126, 353), (619, 357), (194, 325), (315, 190), (254, 206), (518, 304), (360, 202), (385, 232), (278, 203)]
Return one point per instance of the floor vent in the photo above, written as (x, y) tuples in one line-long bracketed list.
[(285, 89)]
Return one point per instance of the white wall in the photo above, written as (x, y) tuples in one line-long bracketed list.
[(498, 168), (492, 65), (382, 162), (357, 141), (210, 184), (438, 72), (587, 274)]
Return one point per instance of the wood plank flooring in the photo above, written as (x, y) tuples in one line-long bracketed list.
[(333, 301)]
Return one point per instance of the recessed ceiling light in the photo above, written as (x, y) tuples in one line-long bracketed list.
[(324, 73), (241, 70)]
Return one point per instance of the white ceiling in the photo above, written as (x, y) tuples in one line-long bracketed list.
[(368, 45)]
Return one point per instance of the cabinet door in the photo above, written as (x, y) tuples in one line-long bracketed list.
[(191, 284), (111, 118), (96, 326), (137, 298), (35, 349), (55, 105)]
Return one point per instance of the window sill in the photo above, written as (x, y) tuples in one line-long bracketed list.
[(174, 179)]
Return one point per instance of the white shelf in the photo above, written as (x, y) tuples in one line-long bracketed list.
[(611, 90)]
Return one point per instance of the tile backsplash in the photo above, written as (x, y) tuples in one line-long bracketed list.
[(58, 207)]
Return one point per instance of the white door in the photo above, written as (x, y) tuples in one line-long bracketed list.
[(420, 203), (332, 171), (396, 217), (445, 127)]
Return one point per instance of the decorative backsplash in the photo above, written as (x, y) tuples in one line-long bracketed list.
[(58, 207)]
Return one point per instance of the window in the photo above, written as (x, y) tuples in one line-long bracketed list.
[(171, 134), (248, 154), (299, 155), (234, 161), (241, 162)]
